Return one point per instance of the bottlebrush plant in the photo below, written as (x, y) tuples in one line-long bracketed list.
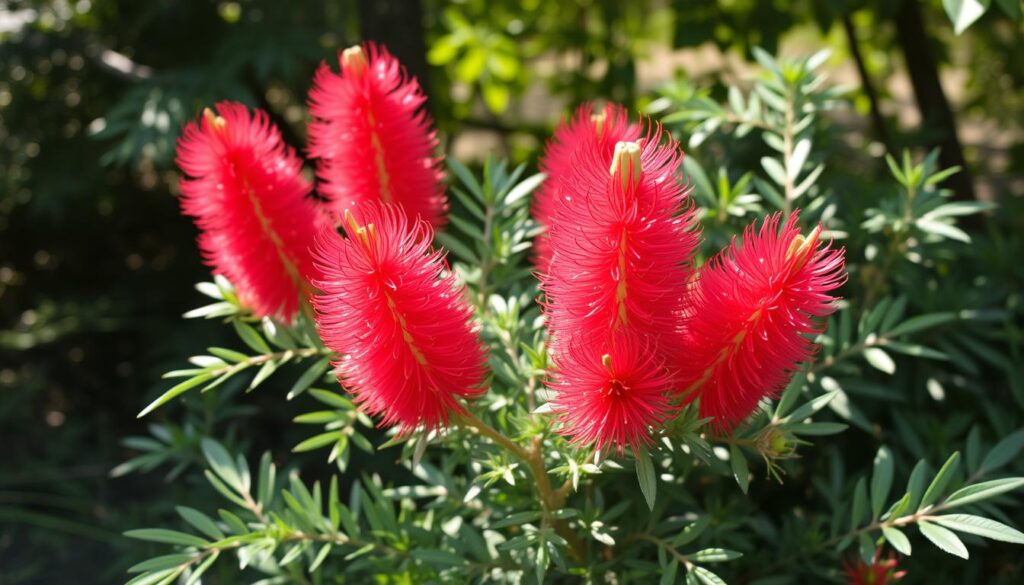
[(611, 372)]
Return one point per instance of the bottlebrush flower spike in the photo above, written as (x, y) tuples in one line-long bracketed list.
[(751, 313), (246, 193), (392, 309), (372, 139), (610, 400), (879, 572), (604, 129), (622, 240)]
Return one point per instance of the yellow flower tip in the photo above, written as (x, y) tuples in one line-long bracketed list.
[(215, 121), (626, 163), (353, 60), (598, 121), (801, 248), (606, 360), (363, 234)]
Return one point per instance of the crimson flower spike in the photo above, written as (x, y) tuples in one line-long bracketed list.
[(392, 308), (245, 190), (372, 139), (622, 240), (603, 128), (752, 312)]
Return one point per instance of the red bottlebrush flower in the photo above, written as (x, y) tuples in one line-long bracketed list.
[(246, 193), (392, 309), (610, 400), (622, 244), (604, 129), (622, 240), (879, 572), (372, 138), (751, 313)]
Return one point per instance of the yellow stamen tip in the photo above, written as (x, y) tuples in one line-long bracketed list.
[(353, 60), (802, 247), (215, 121), (598, 121), (606, 361), (626, 163)]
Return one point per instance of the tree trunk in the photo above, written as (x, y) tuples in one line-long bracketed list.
[(937, 121)]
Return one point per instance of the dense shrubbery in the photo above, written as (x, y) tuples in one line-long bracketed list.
[(906, 424), (699, 384)]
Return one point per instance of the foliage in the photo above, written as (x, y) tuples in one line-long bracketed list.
[(923, 356), (501, 496)]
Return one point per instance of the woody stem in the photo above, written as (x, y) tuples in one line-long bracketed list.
[(550, 500)]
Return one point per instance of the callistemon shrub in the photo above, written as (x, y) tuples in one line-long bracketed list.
[(572, 382)]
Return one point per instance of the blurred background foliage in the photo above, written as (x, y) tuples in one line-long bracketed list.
[(95, 258)]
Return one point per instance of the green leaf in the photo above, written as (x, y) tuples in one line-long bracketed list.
[(319, 558), (943, 538), (740, 471), (668, 576), (774, 169), (714, 555), (221, 463), (921, 322), (1004, 451), (1011, 8), (250, 337), (516, 519), (317, 441), (201, 522), (818, 429), (457, 247), (982, 491), (161, 563), (331, 398), (438, 557), (166, 536), (811, 407), (707, 577), (942, 479), (790, 394), (897, 539), (880, 360), (881, 481), (198, 572), (692, 531), (645, 474), (524, 188), (980, 526), (943, 229), (963, 13), (173, 392), (860, 503), (309, 377), (915, 485)]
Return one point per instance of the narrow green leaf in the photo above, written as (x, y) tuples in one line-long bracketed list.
[(897, 539), (317, 441), (250, 337), (173, 392), (860, 503), (692, 531), (201, 522), (516, 519), (963, 13), (707, 577), (438, 557), (881, 481), (942, 479), (198, 572), (915, 485), (524, 188), (161, 563), (811, 407), (309, 377), (982, 491), (774, 169), (1004, 451), (880, 360), (166, 536), (943, 538), (714, 555), (740, 470), (818, 429), (457, 247), (221, 463), (319, 559), (646, 476), (668, 576), (980, 526)]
